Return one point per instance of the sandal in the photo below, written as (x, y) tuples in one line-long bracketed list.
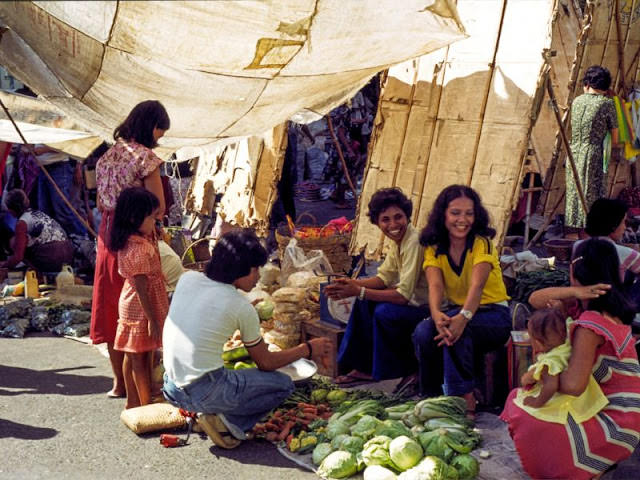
[(353, 379), (216, 431)]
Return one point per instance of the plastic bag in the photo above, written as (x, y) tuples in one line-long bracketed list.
[(526, 261), (295, 260)]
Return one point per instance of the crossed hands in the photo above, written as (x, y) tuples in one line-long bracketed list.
[(449, 328)]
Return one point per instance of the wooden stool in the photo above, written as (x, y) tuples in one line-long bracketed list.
[(315, 329)]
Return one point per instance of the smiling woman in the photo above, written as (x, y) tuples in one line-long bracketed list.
[(461, 265), (377, 341)]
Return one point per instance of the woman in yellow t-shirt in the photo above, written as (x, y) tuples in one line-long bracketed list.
[(463, 272)]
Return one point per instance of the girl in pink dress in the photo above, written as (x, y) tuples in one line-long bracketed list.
[(602, 346), (143, 303)]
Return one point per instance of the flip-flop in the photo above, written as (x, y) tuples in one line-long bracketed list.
[(216, 431), (351, 380), (112, 394)]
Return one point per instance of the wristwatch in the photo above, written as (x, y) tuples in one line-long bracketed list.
[(467, 314)]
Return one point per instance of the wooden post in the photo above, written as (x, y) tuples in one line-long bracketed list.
[(344, 163), (554, 107), (621, 81), (527, 217), (546, 222)]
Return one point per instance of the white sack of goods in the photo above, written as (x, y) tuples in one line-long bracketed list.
[(282, 340), (288, 295)]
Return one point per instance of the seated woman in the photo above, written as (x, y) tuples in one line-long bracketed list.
[(607, 220), (602, 346), (377, 341), (462, 267), (39, 240), (205, 312)]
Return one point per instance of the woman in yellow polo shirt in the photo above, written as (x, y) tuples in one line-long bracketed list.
[(462, 269)]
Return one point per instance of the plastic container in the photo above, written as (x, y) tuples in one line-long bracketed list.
[(31, 285), (65, 277)]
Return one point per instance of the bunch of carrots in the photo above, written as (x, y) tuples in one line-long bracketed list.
[(281, 422)]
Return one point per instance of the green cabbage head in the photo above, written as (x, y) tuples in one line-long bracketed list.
[(466, 465), (405, 452), (321, 452), (265, 309), (376, 452), (338, 464), (377, 472)]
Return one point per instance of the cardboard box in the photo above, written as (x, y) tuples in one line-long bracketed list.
[(315, 329)]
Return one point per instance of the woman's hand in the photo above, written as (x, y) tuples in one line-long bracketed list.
[(453, 331), (342, 287), (587, 292), (441, 321)]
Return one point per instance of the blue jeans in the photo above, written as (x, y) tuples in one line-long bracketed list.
[(50, 202), (377, 339), (242, 396), (450, 370)]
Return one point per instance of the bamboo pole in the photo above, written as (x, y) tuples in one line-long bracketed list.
[(616, 5), (344, 163), (46, 174), (576, 177)]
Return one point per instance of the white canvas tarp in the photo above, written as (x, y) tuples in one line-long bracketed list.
[(223, 69)]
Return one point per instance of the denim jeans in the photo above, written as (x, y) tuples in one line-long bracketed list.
[(377, 339), (50, 202), (243, 397), (450, 370)]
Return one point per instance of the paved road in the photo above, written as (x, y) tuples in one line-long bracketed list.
[(56, 422)]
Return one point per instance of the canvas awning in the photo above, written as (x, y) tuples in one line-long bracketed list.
[(223, 69)]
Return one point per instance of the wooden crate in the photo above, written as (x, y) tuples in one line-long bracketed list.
[(315, 329)]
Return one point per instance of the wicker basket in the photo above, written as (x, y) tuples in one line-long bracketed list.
[(560, 248), (335, 247)]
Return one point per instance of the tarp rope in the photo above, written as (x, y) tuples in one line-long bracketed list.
[(46, 174)]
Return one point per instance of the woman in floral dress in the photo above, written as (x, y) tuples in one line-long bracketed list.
[(128, 163), (593, 114)]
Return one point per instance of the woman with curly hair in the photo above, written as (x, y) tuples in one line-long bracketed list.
[(377, 340), (462, 269)]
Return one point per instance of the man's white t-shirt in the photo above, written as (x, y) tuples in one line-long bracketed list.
[(203, 315)]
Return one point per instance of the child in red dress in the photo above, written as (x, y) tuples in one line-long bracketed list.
[(143, 303)]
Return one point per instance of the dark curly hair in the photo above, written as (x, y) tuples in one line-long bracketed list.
[(596, 261), (17, 201), (133, 206), (235, 254), (604, 216), (385, 198), (548, 320), (141, 121), (436, 233), (597, 77)]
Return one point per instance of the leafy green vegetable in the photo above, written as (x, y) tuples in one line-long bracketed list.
[(405, 452), (338, 464), (321, 451), (378, 472), (336, 442), (337, 427), (466, 465), (352, 444), (366, 427), (437, 407), (393, 428), (429, 468), (319, 395), (335, 397), (376, 452)]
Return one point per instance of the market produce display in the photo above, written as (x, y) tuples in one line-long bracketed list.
[(529, 282), (19, 316), (346, 432)]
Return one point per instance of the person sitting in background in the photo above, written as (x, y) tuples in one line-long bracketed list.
[(377, 341), (607, 220), (39, 240)]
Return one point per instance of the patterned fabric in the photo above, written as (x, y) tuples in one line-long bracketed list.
[(41, 228), (592, 116), (124, 165), (140, 256), (583, 450)]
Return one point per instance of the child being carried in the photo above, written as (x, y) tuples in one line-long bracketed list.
[(552, 350)]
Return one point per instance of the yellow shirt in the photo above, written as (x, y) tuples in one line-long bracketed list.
[(401, 269), (457, 282)]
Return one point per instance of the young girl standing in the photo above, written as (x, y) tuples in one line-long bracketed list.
[(143, 303)]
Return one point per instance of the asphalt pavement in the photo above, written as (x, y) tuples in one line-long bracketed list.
[(56, 422)]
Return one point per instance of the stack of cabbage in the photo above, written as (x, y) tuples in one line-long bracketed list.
[(428, 440), (288, 315)]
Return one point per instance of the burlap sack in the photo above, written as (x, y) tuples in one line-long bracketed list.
[(153, 417)]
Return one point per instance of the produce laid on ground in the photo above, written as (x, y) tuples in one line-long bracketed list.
[(529, 282), (347, 432), (23, 315)]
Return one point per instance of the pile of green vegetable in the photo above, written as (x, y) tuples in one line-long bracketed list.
[(529, 282), (427, 440)]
